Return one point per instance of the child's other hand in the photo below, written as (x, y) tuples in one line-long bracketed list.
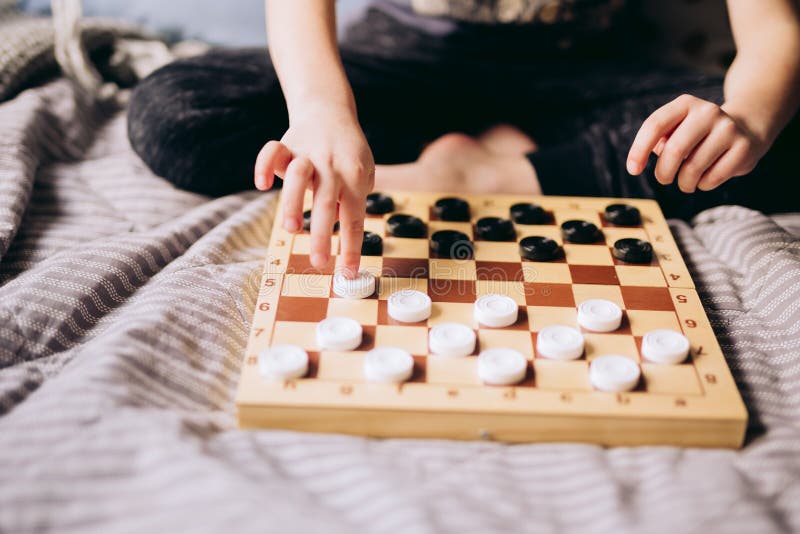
[(697, 140), (325, 150)]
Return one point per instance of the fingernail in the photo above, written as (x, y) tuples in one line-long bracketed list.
[(291, 224), (633, 167)]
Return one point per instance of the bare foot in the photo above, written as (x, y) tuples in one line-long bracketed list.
[(507, 140), (457, 162)]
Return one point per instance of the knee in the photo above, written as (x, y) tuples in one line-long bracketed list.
[(173, 125), (158, 116)]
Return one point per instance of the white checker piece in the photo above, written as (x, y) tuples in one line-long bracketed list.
[(496, 311), (599, 315), (283, 362), (409, 306), (360, 287), (451, 339), (388, 365), (665, 346), (339, 333), (559, 342), (501, 366), (614, 373)]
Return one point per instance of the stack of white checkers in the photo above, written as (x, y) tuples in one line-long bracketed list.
[(495, 366)]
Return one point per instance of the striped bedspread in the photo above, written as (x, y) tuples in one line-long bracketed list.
[(124, 307)]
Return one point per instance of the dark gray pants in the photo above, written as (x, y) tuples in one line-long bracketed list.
[(200, 122)]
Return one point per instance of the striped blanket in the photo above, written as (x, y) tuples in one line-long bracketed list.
[(124, 308)]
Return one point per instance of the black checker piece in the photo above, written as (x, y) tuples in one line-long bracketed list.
[(528, 213), (379, 204), (622, 215), (451, 209), (495, 229), (577, 231), (539, 248), (402, 225), (452, 244), (632, 250)]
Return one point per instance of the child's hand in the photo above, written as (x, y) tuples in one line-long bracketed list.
[(325, 150), (697, 140)]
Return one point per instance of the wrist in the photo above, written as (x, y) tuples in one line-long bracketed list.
[(312, 102), (756, 122)]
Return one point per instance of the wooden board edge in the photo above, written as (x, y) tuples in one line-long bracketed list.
[(507, 428)]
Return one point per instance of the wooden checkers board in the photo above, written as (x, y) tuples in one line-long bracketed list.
[(695, 403)]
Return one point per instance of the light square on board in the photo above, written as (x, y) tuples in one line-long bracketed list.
[(490, 208), (563, 215), (414, 339), (371, 264), (455, 371), (375, 225), (608, 292), (490, 338), (588, 254), (301, 244), (451, 269), (671, 379), (640, 275), (561, 375), (497, 251), (515, 290), (600, 344), (405, 247), (388, 286), (541, 316), (545, 230), (306, 285), (642, 321), (341, 366), (452, 312), (417, 209), (303, 334), (614, 233), (546, 272), (365, 311), (464, 227)]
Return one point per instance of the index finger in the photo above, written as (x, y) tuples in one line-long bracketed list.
[(351, 229), (659, 124)]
